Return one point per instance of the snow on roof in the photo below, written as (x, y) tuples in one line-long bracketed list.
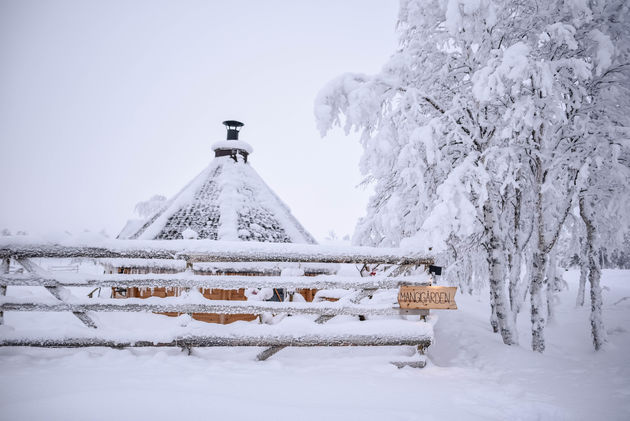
[(131, 227), (227, 201), (232, 144)]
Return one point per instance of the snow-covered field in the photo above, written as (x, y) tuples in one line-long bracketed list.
[(471, 375)]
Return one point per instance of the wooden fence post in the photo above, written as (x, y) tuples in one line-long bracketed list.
[(55, 291), (4, 269)]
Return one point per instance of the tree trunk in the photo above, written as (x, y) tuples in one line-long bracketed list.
[(515, 278), (539, 262), (514, 275), (579, 301), (515, 260), (594, 276), (496, 272), (494, 322), (514, 288), (553, 287), (597, 323)]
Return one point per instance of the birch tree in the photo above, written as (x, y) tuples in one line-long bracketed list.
[(428, 146), (474, 136)]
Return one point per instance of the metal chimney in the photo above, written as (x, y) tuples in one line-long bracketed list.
[(232, 147), (233, 128)]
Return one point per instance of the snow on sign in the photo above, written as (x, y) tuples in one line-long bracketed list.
[(427, 297)]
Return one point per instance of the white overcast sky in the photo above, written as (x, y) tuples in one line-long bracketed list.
[(106, 103)]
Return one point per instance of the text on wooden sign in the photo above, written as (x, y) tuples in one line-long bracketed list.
[(427, 297)]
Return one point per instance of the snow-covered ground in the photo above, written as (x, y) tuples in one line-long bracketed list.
[(471, 375)]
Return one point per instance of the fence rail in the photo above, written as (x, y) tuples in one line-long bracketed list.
[(356, 302), (216, 341), (213, 251), (216, 306), (213, 281)]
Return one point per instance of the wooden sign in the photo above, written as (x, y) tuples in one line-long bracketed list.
[(428, 297)]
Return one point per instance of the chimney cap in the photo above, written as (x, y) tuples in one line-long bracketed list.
[(233, 128), (233, 124)]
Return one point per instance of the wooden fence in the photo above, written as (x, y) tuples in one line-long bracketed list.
[(358, 299)]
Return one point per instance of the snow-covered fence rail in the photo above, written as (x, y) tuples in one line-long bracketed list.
[(211, 251), (211, 306), (356, 301), (213, 281)]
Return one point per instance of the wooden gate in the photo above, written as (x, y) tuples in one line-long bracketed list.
[(368, 303)]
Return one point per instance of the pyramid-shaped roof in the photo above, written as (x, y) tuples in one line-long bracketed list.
[(227, 201)]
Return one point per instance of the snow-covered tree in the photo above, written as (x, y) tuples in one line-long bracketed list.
[(599, 127), (475, 134), (605, 186), (149, 207), (440, 168)]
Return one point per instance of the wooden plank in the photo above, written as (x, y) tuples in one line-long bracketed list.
[(223, 282), (323, 319), (56, 291), (210, 251), (427, 297), (223, 307), (413, 312), (272, 350), (4, 269), (211, 341)]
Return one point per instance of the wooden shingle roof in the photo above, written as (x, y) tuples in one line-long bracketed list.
[(226, 201)]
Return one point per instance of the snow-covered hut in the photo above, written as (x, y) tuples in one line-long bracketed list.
[(227, 201)]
